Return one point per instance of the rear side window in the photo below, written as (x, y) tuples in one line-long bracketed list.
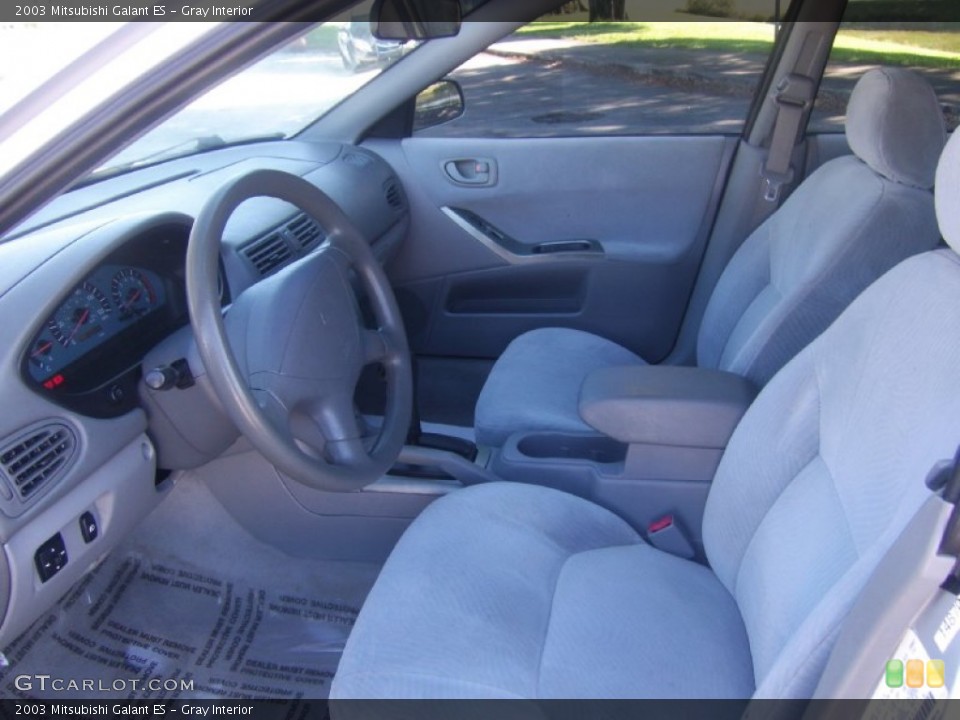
[(866, 41), (566, 75)]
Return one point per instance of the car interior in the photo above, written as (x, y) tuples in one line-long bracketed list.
[(454, 393)]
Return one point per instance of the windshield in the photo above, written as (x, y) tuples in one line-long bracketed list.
[(31, 53), (275, 98)]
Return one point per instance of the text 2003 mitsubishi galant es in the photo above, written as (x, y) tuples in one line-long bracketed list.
[(546, 358)]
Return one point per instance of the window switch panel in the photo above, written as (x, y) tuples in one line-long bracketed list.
[(50, 557)]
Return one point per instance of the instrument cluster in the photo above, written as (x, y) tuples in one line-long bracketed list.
[(85, 355), (109, 301)]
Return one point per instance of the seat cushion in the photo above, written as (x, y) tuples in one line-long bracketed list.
[(536, 382), (516, 591)]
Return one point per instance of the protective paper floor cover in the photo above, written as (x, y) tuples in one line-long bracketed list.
[(145, 615)]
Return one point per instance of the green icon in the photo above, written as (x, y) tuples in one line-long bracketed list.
[(895, 673)]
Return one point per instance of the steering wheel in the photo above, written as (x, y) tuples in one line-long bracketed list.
[(285, 359)]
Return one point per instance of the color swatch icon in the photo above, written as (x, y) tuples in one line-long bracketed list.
[(915, 673), (894, 673), (935, 673)]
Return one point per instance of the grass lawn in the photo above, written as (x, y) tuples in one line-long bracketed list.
[(923, 48), (323, 37)]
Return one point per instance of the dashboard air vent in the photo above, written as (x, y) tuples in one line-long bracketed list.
[(394, 195), (268, 253), (32, 460), (306, 232)]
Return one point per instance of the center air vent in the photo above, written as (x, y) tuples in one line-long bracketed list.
[(394, 194), (33, 460), (306, 233), (268, 253)]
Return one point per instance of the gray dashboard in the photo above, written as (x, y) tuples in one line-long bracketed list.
[(91, 287)]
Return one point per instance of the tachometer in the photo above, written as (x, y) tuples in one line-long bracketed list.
[(132, 293), (81, 316)]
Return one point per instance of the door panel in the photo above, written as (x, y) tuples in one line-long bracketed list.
[(600, 234)]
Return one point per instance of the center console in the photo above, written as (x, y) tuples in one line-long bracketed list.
[(659, 434)]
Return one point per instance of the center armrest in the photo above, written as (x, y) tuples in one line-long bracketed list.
[(665, 405)]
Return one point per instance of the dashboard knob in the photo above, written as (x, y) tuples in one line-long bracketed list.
[(162, 378)]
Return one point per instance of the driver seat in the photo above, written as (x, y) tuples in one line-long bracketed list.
[(513, 591)]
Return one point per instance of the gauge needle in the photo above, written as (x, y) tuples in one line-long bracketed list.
[(80, 322), (131, 299), (42, 349)]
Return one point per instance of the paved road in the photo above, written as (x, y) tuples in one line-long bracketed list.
[(509, 96), (586, 89)]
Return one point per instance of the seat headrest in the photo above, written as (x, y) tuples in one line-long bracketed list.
[(895, 125), (948, 193)]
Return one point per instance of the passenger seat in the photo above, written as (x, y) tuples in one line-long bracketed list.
[(847, 224)]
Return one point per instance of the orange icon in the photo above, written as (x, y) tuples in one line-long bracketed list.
[(915, 673)]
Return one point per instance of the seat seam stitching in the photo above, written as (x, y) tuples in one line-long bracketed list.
[(766, 513), (726, 342), (833, 479), (546, 628), (816, 454)]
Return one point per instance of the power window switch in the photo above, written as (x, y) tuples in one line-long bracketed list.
[(50, 557), (88, 527)]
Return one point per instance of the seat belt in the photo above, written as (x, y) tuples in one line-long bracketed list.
[(793, 96)]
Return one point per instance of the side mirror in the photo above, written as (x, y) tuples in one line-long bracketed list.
[(405, 20), (439, 103)]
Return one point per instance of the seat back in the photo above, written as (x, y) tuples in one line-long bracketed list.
[(828, 465), (848, 223)]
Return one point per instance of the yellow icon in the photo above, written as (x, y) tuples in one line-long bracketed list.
[(914, 673), (935, 673)]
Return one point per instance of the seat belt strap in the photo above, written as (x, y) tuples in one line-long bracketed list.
[(794, 97)]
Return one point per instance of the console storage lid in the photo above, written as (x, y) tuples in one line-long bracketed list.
[(662, 405)]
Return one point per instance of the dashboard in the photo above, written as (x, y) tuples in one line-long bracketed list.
[(93, 297), (85, 353)]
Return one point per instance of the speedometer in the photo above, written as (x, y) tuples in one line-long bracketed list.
[(133, 294), (80, 317)]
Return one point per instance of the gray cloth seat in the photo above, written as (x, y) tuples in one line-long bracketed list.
[(513, 591), (848, 223), (542, 623)]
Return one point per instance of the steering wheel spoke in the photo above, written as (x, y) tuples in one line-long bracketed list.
[(375, 346)]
